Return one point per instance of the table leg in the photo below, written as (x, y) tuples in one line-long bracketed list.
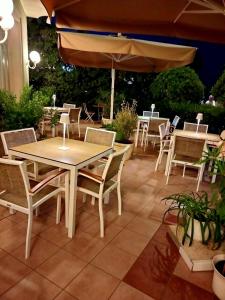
[(72, 203), (137, 134)]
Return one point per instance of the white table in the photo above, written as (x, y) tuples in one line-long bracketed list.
[(79, 155), (210, 138)]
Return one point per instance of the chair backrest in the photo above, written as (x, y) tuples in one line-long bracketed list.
[(100, 136), (162, 131), (74, 115), (222, 135), (175, 121), (14, 183), (193, 127), (154, 114), (154, 123), (18, 137), (115, 164), (189, 147), (69, 105)]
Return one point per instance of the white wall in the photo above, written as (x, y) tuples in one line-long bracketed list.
[(14, 53)]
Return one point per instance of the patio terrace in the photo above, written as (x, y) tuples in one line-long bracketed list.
[(135, 260)]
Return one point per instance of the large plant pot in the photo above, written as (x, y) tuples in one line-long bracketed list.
[(197, 231), (130, 150), (218, 283), (106, 121)]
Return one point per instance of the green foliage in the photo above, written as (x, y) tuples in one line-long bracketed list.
[(125, 121), (179, 84), (213, 116), (27, 112), (209, 211), (218, 90)]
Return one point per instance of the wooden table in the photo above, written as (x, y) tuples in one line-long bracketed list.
[(210, 138), (79, 155), (58, 109)]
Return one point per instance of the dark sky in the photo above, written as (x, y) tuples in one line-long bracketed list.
[(209, 62)]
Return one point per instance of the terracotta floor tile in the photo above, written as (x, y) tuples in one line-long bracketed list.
[(123, 220), (41, 223), (179, 289), (57, 234), (127, 292), (162, 234), (61, 268), (40, 251), (143, 226), (65, 296), (110, 232), (152, 270), (13, 238), (84, 246), (6, 224), (18, 217), (33, 287), (129, 241), (84, 220), (2, 253), (92, 284), (11, 271), (4, 212), (201, 279), (114, 261)]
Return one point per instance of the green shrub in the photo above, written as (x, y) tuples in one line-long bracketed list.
[(218, 90), (179, 84), (27, 112)]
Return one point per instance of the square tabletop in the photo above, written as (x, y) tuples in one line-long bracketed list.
[(78, 151), (210, 137)]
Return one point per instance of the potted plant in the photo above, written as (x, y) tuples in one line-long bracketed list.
[(124, 125), (202, 216), (218, 283)]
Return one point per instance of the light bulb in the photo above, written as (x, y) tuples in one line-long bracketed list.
[(6, 8), (35, 57), (7, 22)]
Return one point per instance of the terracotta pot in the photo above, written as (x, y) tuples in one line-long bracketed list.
[(218, 283), (197, 231)]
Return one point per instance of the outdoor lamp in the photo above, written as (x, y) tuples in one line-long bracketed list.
[(35, 59), (153, 107), (6, 18), (199, 118), (65, 120), (54, 99)]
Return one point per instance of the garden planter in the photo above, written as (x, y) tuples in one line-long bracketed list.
[(197, 231), (218, 283), (106, 121), (130, 150)]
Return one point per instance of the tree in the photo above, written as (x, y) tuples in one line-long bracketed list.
[(218, 90), (179, 85)]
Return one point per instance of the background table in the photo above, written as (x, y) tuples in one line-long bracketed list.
[(210, 138), (79, 155)]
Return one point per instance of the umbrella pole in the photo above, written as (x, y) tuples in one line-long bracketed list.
[(112, 92)]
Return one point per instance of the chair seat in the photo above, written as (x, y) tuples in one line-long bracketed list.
[(17, 199), (185, 159), (93, 186)]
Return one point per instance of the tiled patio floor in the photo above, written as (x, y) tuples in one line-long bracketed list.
[(136, 259)]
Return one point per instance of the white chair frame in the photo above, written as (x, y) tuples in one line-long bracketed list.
[(88, 113), (72, 125), (30, 192), (69, 105), (154, 114), (195, 126), (172, 159)]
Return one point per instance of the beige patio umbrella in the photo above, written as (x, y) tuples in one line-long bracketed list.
[(192, 19), (88, 50)]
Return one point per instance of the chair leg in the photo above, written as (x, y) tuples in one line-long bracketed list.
[(101, 217), (200, 178), (184, 169), (168, 174), (28, 237), (37, 210), (159, 159), (84, 198), (79, 130), (66, 199), (106, 199), (93, 200), (119, 199), (58, 210)]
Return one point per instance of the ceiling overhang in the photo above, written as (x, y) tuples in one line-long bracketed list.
[(33, 8)]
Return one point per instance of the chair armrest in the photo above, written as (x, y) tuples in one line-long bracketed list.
[(46, 181), (91, 176)]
